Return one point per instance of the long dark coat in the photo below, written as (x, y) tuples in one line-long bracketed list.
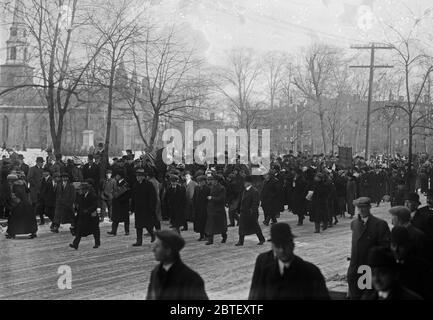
[(375, 233), (179, 283), (319, 203), (189, 207), (269, 196), (300, 191), (351, 196), (144, 204), (216, 222), (22, 219), (65, 197), (121, 197), (175, 202), (86, 224), (303, 280), (91, 172), (35, 180), (200, 208), (249, 209), (48, 193)]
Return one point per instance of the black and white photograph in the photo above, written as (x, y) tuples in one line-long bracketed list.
[(230, 153)]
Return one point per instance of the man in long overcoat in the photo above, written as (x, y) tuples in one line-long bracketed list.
[(216, 220), (200, 207), (299, 193), (87, 218), (144, 205), (367, 232), (319, 202), (190, 186), (34, 179), (121, 197), (175, 202), (65, 198), (248, 220), (269, 198)]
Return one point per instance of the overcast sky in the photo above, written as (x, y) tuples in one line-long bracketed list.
[(282, 24)]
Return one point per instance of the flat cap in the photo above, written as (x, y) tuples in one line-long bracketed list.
[(362, 202), (171, 239), (281, 234), (401, 212)]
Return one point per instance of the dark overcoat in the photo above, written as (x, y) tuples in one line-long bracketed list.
[(144, 204), (200, 208), (300, 191), (303, 280), (249, 213), (269, 196), (22, 219), (179, 283), (121, 197), (175, 202), (65, 197), (87, 205), (216, 222), (319, 203)]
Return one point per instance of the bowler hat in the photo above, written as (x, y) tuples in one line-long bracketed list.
[(39, 160), (201, 178), (281, 234), (362, 202), (401, 212), (412, 196), (171, 239)]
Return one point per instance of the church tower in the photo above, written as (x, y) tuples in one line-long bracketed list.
[(16, 70)]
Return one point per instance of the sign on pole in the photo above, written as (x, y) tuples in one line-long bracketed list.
[(345, 158)]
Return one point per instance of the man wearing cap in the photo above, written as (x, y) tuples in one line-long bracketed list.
[(385, 280), (401, 218), (34, 179), (281, 275), (414, 273), (87, 217), (172, 279), (65, 198), (143, 197), (368, 231), (249, 209)]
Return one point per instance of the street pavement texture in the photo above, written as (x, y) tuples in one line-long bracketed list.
[(29, 269)]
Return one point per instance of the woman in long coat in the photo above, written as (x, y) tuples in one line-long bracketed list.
[(22, 219), (200, 207), (216, 222)]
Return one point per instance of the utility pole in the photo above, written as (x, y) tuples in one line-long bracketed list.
[(372, 47)]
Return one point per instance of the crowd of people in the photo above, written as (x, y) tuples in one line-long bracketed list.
[(211, 198)]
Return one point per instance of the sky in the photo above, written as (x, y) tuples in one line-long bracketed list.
[(286, 25)]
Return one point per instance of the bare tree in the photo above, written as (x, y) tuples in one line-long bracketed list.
[(172, 84), (274, 68), (415, 65), (119, 34), (312, 79)]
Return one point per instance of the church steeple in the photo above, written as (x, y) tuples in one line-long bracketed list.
[(17, 45), (16, 70)]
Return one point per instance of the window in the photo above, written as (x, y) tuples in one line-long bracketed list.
[(13, 53)]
